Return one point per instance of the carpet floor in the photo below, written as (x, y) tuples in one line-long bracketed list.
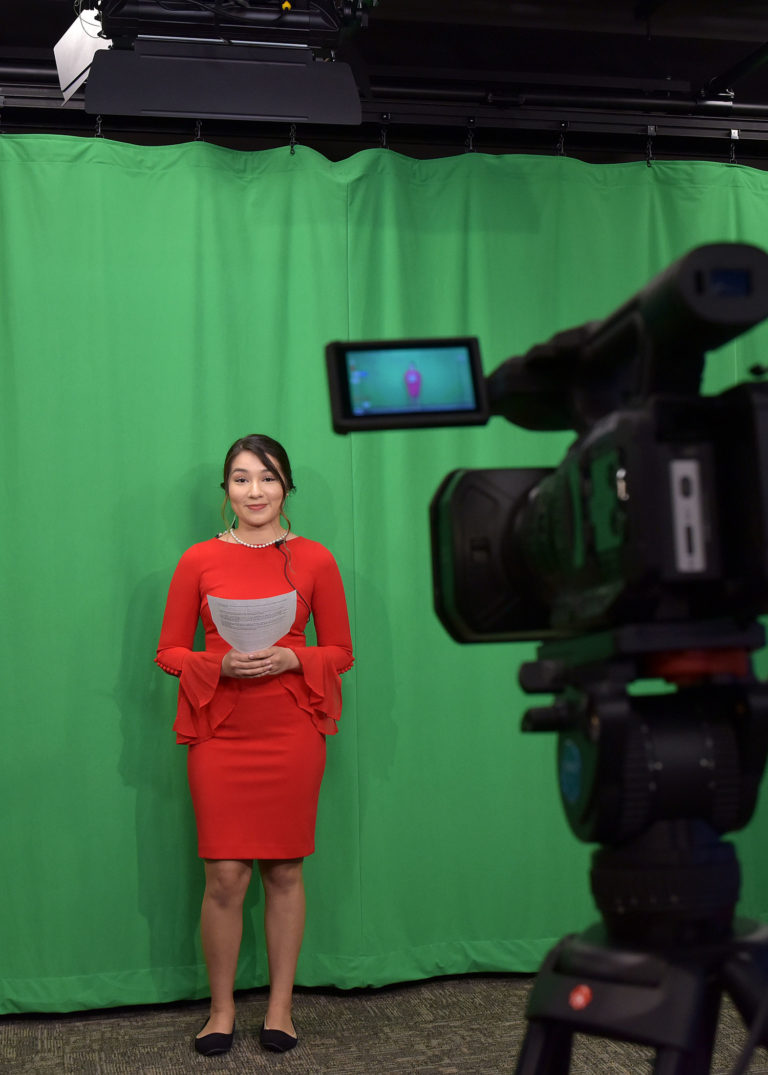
[(447, 1026)]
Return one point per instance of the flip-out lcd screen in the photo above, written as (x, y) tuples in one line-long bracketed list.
[(406, 384)]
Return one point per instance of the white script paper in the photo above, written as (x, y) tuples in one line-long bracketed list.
[(253, 624)]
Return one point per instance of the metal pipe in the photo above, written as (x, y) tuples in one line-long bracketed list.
[(607, 102), (37, 73), (722, 83)]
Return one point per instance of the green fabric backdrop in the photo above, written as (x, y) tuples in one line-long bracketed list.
[(158, 303)]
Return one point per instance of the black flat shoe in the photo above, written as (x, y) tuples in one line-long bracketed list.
[(277, 1041), (215, 1044)]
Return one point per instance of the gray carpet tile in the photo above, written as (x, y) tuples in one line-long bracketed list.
[(471, 1025)]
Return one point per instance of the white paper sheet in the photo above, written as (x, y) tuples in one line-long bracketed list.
[(253, 624)]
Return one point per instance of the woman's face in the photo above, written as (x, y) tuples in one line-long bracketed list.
[(256, 494)]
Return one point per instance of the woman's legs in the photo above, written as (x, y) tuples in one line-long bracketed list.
[(284, 911), (221, 928), (221, 925)]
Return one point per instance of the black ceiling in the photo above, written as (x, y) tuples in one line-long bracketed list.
[(615, 80)]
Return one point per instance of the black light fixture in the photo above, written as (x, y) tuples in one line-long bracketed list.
[(227, 59), (318, 23)]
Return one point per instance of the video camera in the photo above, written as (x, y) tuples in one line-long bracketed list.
[(643, 555), (659, 510)]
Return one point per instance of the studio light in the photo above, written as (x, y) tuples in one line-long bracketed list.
[(318, 23), (75, 50), (226, 59)]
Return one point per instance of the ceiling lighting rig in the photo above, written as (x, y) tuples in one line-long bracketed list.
[(226, 59), (318, 24)]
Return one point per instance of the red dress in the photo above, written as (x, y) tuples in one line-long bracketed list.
[(256, 746)]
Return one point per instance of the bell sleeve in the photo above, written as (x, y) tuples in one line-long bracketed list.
[(205, 697), (318, 689)]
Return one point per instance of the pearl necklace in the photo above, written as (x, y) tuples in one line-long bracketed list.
[(263, 545)]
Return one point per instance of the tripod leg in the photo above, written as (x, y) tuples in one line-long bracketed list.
[(675, 1062), (695, 1061), (546, 1049)]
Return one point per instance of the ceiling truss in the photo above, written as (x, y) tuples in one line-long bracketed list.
[(427, 103)]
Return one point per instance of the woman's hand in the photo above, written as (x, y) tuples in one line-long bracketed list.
[(266, 662)]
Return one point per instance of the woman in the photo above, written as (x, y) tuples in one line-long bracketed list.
[(255, 724)]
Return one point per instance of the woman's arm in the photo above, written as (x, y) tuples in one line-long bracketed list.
[(205, 699), (329, 611), (317, 686), (182, 611)]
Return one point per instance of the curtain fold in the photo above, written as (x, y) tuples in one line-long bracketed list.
[(157, 304)]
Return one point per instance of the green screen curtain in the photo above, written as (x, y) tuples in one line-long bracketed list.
[(157, 303)]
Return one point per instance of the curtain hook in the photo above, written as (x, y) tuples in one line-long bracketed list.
[(651, 132), (97, 132), (385, 118), (469, 142), (292, 139), (734, 140), (560, 147)]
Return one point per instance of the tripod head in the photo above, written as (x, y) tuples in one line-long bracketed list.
[(657, 778)]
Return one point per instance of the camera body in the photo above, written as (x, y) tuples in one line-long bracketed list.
[(658, 513)]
